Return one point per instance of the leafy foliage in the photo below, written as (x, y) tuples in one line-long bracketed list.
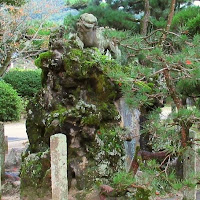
[(193, 25), (26, 82), (42, 33), (10, 103), (77, 3), (122, 180), (119, 20), (187, 18), (162, 182), (13, 2), (143, 86)]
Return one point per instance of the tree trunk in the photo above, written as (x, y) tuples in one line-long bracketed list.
[(178, 103), (169, 21), (4, 65), (145, 20)]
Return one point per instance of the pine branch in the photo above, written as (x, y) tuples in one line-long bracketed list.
[(176, 99)]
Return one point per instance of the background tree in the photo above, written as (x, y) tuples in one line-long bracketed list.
[(20, 33), (12, 2)]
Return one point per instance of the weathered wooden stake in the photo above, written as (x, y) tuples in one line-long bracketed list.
[(58, 148), (189, 168), (2, 150)]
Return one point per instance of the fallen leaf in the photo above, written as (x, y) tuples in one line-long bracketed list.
[(188, 62)]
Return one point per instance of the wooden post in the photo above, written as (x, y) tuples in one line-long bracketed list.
[(2, 150), (189, 168), (58, 148)]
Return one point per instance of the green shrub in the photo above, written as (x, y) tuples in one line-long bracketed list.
[(119, 20), (10, 103), (193, 25), (25, 82)]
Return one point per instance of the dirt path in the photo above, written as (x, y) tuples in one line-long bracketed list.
[(16, 132)]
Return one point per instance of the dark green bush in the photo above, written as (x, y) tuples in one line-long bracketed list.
[(188, 17), (10, 103), (193, 25), (25, 82), (161, 23), (119, 20)]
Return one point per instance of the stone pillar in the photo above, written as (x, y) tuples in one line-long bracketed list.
[(189, 168), (0, 178), (6, 145), (2, 150), (58, 148)]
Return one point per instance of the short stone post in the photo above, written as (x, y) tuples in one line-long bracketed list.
[(58, 148), (189, 167), (2, 150), (0, 179), (6, 144)]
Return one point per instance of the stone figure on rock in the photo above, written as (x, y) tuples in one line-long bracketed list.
[(78, 100), (93, 36)]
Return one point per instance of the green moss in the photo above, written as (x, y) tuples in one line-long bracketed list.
[(85, 113), (104, 90), (109, 111), (45, 56), (108, 151), (33, 170), (77, 62), (58, 113), (93, 120)]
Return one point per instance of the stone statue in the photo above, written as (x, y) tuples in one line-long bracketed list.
[(92, 36)]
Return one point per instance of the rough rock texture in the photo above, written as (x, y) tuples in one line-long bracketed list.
[(77, 100), (14, 158)]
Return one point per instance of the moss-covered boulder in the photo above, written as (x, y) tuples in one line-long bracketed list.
[(77, 100)]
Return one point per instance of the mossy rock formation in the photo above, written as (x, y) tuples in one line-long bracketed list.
[(77, 100)]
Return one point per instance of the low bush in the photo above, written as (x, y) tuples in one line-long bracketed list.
[(10, 103), (25, 82)]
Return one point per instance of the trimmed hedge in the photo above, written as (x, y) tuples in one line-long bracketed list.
[(26, 82), (10, 103)]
